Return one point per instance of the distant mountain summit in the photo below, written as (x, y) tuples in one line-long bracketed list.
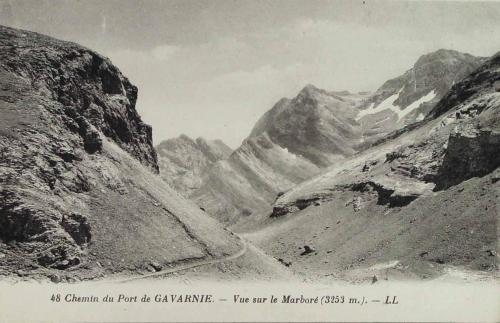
[(317, 125), (410, 97), (183, 161), (289, 144)]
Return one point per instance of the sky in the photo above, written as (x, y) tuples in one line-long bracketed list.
[(212, 68)]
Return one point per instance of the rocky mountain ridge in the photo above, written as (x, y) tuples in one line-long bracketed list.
[(184, 161), (468, 110), (317, 125), (298, 137), (289, 144), (408, 98)]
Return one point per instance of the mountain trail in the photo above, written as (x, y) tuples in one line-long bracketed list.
[(182, 267)]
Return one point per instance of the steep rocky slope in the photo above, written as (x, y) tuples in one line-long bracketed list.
[(289, 144), (79, 190), (419, 203), (410, 97), (183, 161)]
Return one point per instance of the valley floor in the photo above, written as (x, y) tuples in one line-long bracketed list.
[(446, 235)]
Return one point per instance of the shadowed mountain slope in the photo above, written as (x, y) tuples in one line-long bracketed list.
[(79, 192)]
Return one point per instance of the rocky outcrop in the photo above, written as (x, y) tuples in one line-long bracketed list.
[(92, 93), (386, 195), (184, 161), (58, 102), (469, 153), (297, 205)]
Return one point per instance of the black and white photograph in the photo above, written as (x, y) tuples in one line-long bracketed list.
[(275, 160)]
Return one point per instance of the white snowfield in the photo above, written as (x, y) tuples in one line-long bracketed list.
[(426, 98), (388, 104)]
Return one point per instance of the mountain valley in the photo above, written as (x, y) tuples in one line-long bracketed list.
[(402, 183)]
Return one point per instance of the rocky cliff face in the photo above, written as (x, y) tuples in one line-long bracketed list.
[(91, 92), (79, 192), (410, 97), (470, 153), (184, 161)]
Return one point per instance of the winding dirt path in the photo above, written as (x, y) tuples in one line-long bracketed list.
[(179, 268)]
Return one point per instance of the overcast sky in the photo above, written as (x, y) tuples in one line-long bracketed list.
[(212, 68)]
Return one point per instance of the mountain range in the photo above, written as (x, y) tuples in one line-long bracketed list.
[(299, 137)]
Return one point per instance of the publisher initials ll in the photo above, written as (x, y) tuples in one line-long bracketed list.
[(394, 300)]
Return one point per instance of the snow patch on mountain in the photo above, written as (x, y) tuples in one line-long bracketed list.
[(415, 105), (389, 104), (384, 105)]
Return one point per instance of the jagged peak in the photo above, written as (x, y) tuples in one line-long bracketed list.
[(312, 91), (310, 87), (216, 146), (309, 90), (281, 101), (214, 143), (444, 55), (184, 137), (180, 140)]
